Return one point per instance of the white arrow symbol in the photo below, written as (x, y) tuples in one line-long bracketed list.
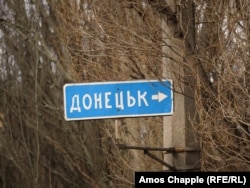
[(160, 96)]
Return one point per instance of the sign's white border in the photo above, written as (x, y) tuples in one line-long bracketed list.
[(117, 82)]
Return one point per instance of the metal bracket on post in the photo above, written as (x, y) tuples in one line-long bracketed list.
[(166, 151)]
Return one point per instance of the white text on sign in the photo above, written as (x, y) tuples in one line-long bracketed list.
[(102, 100)]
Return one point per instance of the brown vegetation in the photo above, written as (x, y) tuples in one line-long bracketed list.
[(45, 44)]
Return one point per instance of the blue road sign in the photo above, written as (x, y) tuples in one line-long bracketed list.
[(101, 100)]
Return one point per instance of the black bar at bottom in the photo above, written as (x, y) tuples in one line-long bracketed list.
[(191, 179)]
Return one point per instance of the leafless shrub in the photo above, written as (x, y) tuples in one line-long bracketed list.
[(46, 44), (223, 99)]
